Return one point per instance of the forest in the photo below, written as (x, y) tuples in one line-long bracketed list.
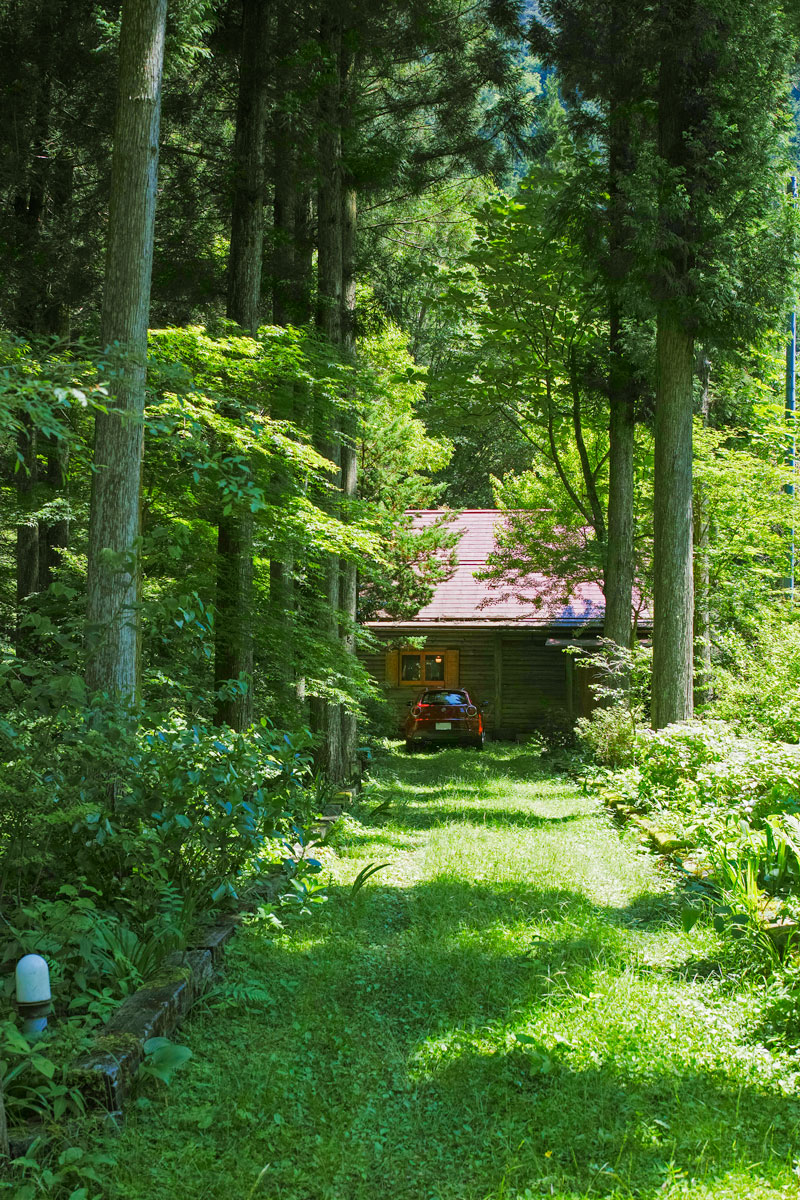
[(275, 274)]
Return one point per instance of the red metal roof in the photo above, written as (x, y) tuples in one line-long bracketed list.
[(464, 602)]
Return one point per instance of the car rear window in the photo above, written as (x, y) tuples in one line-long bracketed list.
[(445, 698)]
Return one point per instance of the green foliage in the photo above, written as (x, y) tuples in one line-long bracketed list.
[(704, 770), (61, 1175), (398, 459), (363, 875), (518, 957), (714, 230), (757, 680), (535, 353), (163, 1058), (137, 809), (620, 685), (46, 385), (33, 1081), (736, 800), (609, 734)]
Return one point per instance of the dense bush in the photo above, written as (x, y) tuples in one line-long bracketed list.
[(758, 679), (609, 734), (118, 831), (735, 798)]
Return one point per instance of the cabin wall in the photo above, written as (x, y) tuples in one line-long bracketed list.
[(525, 685)]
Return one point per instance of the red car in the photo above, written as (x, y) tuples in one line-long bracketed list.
[(442, 716)]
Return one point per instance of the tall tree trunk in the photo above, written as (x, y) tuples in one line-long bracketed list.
[(304, 242), (672, 549), (233, 643), (702, 576), (29, 203), (284, 152), (329, 191), (621, 390), (325, 716), (619, 563), (673, 592), (349, 575), (112, 586), (284, 174), (249, 153), (28, 208)]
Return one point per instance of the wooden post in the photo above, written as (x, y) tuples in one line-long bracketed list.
[(498, 682), (570, 669)]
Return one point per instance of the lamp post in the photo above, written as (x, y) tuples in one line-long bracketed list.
[(33, 993)]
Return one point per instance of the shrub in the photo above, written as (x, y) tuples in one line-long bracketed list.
[(609, 735), (759, 683)]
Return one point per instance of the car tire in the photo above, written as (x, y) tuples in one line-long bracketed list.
[(480, 742)]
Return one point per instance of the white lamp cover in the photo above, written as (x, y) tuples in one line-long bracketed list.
[(33, 980)]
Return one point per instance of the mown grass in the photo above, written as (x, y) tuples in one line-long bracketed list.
[(373, 1051)]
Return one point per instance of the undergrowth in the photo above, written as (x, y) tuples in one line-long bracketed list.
[(511, 1008)]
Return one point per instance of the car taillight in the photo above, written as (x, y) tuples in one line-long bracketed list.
[(472, 711), (416, 711)]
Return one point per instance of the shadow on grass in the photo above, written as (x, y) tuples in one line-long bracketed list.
[(611, 1128), (428, 989), (448, 902), (428, 816)]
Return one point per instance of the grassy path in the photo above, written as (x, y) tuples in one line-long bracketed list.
[(509, 1010)]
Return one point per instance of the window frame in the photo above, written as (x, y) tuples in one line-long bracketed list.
[(422, 682)]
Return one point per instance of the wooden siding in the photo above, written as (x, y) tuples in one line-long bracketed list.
[(534, 683), (523, 683)]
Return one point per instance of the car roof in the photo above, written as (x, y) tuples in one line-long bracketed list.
[(457, 691)]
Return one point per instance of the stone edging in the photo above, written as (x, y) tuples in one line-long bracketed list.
[(670, 846), (105, 1073)]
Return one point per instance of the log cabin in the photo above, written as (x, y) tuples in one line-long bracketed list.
[(508, 652)]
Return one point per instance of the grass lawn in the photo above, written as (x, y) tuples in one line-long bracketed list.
[(509, 1010)]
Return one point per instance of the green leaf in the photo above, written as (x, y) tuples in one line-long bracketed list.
[(690, 916), (362, 876), (44, 1065), (164, 1058)]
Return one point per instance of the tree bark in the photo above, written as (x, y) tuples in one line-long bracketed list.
[(326, 717), (673, 596), (284, 175), (672, 549), (281, 570), (621, 384), (702, 575), (619, 562), (349, 576), (249, 153), (329, 191), (113, 572), (303, 273), (30, 201), (233, 641)]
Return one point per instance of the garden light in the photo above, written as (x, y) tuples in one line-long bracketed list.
[(33, 993)]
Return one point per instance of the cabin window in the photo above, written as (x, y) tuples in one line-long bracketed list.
[(423, 666), (434, 668), (410, 668)]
